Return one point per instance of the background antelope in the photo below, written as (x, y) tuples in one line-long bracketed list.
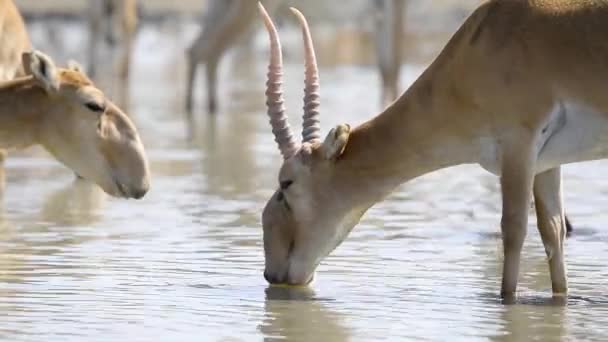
[(62, 110), (225, 22), (14, 40), (112, 29), (228, 21), (387, 39), (507, 92)]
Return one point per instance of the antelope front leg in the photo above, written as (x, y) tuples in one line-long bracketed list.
[(211, 69), (552, 225), (192, 65), (516, 180), (124, 64), (94, 37)]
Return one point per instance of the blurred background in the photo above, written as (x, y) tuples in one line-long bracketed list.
[(186, 261)]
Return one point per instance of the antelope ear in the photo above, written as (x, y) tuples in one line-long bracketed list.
[(43, 69), (336, 141), (74, 65)]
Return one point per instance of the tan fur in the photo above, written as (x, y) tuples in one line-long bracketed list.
[(100, 146), (227, 21), (500, 82), (13, 40)]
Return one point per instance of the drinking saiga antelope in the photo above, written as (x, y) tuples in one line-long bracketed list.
[(62, 110), (519, 89)]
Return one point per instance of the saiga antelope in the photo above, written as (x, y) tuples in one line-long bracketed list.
[(225, 22), (519, 89), (14, 40), (62, 110), (112, 26), (388, 21)]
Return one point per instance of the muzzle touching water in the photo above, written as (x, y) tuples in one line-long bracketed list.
[(287, 279), (136, 192)]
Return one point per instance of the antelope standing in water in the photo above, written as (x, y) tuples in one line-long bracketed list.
[(225, 22), (62, 110), (389, 19), (388, 37), (519, 89), (112, 27)]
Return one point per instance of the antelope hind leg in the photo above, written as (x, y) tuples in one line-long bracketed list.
[(552, 225), (211, 75)]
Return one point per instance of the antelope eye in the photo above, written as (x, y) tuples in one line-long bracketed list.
[(95, 107), (281, 199), (285, 184)]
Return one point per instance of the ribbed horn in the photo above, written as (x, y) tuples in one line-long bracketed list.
[(311, 126), (274, 92)]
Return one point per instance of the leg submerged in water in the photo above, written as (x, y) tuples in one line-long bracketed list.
[(517, 178), (552, 225)]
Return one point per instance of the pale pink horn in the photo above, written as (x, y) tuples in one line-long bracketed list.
[(274, 92), (311, 126)]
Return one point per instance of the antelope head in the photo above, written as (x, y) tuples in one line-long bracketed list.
[(308, 215), (84, 130)]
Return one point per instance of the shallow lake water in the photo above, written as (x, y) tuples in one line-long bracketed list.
[(186, 262)]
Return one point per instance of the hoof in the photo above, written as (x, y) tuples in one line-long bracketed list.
[(569, 228), (508, 298)]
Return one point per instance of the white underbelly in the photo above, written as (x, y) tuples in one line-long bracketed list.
[(583, 137), (574, 133), (7, 72)]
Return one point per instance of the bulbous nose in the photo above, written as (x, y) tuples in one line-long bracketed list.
[(139, 193), (139, 189), (272, 278)]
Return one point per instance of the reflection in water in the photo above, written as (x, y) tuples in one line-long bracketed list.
[(33, 246), (295, 314), (79, 202), (540, 321), (229, 160)]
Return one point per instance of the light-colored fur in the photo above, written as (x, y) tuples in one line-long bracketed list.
[(520, 89), (14, 40), (62, 110)]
